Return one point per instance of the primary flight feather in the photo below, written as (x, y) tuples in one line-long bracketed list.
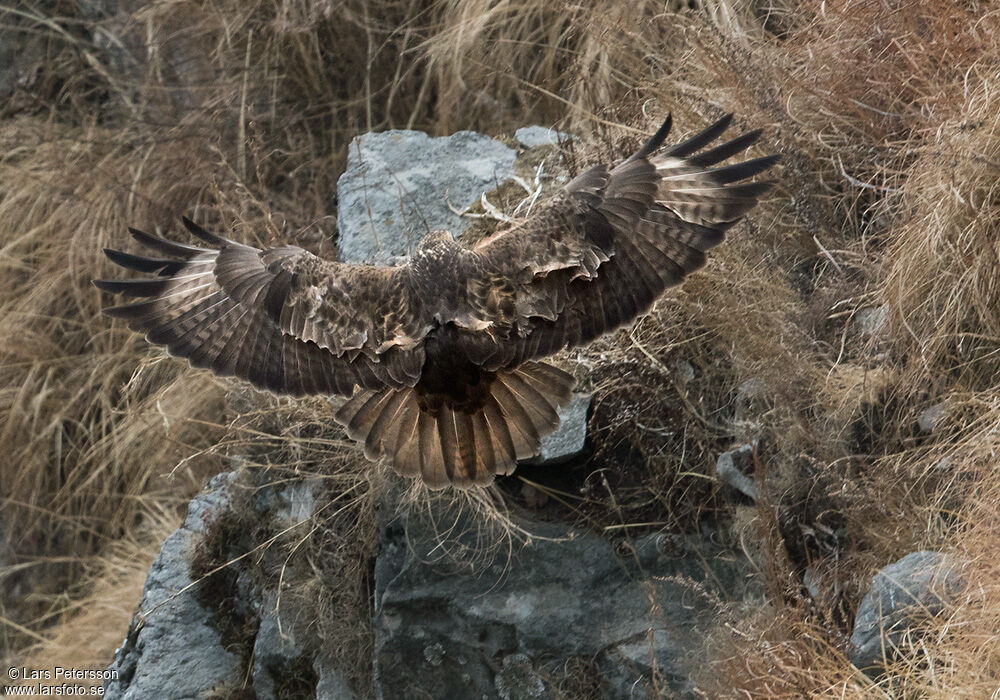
[(439, 355)]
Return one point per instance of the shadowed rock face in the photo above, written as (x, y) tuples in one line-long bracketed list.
[(398, 185), (181, 649), (916, 585), (506, 627), (444, 632), (176, 648)]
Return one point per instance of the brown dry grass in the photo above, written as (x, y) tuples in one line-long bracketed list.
[(885, 114)]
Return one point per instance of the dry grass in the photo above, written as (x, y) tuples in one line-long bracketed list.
[(85, 633), (239, 113)]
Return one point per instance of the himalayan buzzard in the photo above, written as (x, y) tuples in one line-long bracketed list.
[(440, 355)]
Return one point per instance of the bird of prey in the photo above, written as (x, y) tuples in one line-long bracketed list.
[(440, 355)]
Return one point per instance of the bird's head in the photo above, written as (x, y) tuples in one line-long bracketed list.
[(435, 239)]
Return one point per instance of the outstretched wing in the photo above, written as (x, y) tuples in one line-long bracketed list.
[(283, 319), (616, 239)]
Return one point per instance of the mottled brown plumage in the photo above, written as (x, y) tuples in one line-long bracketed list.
[(438, 354)]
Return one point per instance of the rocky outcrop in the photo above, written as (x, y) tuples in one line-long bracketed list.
[(221, 634), (632, 616), (918, 585), (401, 185), (565, 597), (172, 650)]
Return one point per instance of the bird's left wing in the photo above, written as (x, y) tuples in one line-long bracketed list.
[(281, 318)]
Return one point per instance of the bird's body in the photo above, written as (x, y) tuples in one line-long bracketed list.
[(440, 355)]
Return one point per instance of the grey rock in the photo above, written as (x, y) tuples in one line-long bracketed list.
[(872, 320), (929, 419), (392, 194), (534, 136), (570, 436), (565, 595), (943, 464), (398, 184), (731, 467), (750, 399), (296, 501), (685, 371), (175, 652), (275, 651), (810, 582), (21, 53), (332, 684), (628, 668), (518, 680), (752, 388), (919, 584)]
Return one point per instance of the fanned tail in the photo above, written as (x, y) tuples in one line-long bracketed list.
[(444, 444)]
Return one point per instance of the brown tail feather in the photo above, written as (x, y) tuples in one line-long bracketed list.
[(448, 434), (451, 446), (504, 452), (385, 428), (407, 451), (522, 428), (362, 421)]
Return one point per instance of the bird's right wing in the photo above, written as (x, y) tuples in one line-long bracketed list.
[(621, 238), (283, 319)]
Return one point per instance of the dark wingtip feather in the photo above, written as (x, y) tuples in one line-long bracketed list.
[(105, 285), (728, 149), (164, 246), (658, 138), (207, 236), (133, 288), (741, 171), (701, 139), (125, 311), (137, 262)]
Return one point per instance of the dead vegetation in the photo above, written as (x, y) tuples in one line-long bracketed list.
[(885, 113)]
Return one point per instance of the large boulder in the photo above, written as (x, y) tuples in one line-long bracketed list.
[(398, 186), (566, 597), (918, 585)]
